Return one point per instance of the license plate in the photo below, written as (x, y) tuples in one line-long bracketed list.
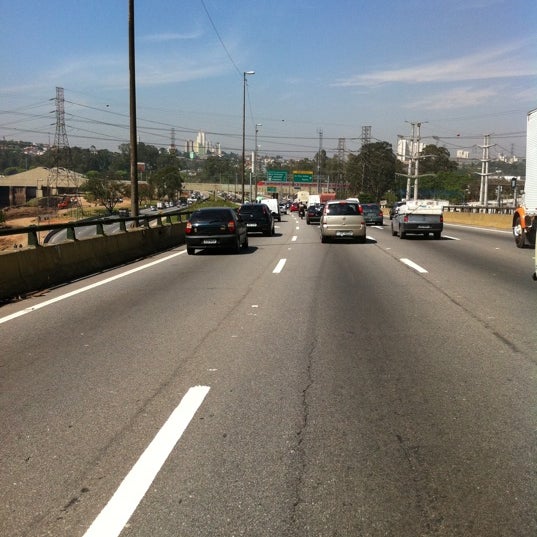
[(209, 241), (251, 225), (424, 227), (343, 233)]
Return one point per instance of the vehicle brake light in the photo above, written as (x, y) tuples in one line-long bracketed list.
[(231, 226), (405, 218), (360, 209), (188, 228), (441, 218)]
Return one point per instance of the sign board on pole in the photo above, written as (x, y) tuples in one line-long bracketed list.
[(302, 177), (277, 176)]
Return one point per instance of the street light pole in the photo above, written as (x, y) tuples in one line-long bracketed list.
[(255, 166), (245, 73)]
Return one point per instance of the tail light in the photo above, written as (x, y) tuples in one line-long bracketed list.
[(381, 213), (360, 209), (188, 228), (441, 218), (405, 218), (231, 226)]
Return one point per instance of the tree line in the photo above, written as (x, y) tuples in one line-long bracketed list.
[(373, 172)]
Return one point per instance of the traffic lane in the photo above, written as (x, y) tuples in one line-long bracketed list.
[(483, 272), (78, 382), (413, 426), (346, 430), (297, 297)]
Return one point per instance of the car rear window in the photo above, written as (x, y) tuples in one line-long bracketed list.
[(342, 209), (253, 209), (209, 215)]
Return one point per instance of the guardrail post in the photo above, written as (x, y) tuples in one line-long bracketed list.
[(70, 233), (123, 226), (168, 219), (159, 221), (33, 238), (99, 229)]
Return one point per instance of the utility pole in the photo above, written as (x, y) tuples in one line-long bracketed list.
[(483, 189), (133, 137), (320, 132)]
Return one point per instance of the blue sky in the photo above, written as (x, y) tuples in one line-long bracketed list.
[(463, 68)]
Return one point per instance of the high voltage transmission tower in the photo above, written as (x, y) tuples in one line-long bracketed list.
[(366, 135), (366, 140), (61, 174)]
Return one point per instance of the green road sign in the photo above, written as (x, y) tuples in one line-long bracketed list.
[(277, 176), (272, 189), (302, 177)]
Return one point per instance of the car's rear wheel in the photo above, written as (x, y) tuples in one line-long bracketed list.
[(190, 250), (324, 239), (519, 234), (437, 235), (394, 233), (402, 235), (245, 243)]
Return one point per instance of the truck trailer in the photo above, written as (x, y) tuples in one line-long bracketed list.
[(525, 215)]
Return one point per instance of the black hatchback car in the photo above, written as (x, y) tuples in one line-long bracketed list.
[(314, 213), (215, 227), (257, 217), (373, 214)]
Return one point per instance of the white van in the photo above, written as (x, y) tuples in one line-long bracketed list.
[(274, 205), (314, 199)]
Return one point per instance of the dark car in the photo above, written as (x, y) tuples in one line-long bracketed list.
[(257, 217), (373, 213), (314, 212), (215, 227)]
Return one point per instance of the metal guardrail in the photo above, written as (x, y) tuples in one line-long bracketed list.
[(145, 220), (475, 209)]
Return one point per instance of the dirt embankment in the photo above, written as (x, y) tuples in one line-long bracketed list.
[(24, 217)]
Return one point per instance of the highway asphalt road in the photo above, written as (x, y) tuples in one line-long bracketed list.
[(295, 389)]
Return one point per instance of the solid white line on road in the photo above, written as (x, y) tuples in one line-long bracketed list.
[(86, 288), (294, 238), (117, 512), (413, 265), (279, 266), (297, 227), (451, 238)]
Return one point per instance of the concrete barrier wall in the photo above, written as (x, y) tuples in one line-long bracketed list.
[(33, 269), (498, 221)]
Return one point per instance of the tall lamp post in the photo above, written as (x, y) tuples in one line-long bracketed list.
[(256, 147), (245, 73)]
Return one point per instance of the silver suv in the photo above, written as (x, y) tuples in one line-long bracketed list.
[(343, 219)]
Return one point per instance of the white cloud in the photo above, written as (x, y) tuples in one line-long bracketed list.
[(455, 98), (159, 38), (509, 61)]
